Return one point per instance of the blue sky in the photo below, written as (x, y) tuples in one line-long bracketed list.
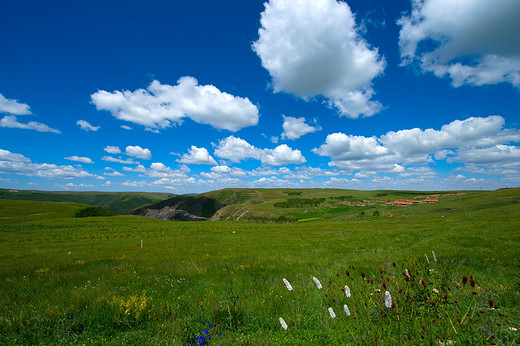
[(194, 96)]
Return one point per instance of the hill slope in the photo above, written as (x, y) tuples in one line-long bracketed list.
[(116, 202), (300, 205)]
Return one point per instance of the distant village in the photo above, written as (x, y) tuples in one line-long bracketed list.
[(399, 202)]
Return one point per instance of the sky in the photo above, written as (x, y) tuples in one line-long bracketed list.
[(193, 96)]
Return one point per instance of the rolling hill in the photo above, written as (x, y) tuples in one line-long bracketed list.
[(116, 202)]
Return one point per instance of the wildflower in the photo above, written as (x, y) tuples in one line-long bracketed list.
[(284, 325), (427, 260), (347, 311), (384, 285), (347, 291), (407, 272), (337, 274), (317, 282), (363, 275), (434, 258), (348, 274), (388, 299), (287, 284), (464, 279), (331, 312), (490, 302), (393, 263), (472, 283)]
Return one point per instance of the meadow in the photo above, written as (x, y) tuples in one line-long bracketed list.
[(69, 280)]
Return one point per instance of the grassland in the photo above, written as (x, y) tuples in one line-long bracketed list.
[(67, 280)]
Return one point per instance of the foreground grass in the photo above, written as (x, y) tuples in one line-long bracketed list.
[(68, 280)]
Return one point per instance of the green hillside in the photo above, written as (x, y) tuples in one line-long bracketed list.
[(116, 202)]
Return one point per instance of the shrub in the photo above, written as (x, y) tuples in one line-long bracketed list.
[(92, 211)]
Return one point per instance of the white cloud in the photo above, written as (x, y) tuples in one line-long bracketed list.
[(6, 155), (236, 149), (73, 186), (13, 107), (112, 172), (138, 168), (497, 154), (472, 42), (128, 161), (340, 146), (12, 163), (294, 128), (112, 149), (282, 155), (12, 122), (472, 131), (221, 169), (197, 156), (86, 126), (159, 170), (79, 159), (162, 105), (313, 47), (126, 127), (137, 151)]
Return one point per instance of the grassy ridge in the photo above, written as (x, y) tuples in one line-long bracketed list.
[(116, 202), (69, 280)]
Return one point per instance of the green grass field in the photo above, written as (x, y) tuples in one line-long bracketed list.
[(72, 280)]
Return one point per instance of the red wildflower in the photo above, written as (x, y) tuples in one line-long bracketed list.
[(472, 283), (464, 279), (474, 293), (490, 303), (384, 285), (348, 274), (407, 278), (393, 263), (337, 274), (458, 320), (363, 275)]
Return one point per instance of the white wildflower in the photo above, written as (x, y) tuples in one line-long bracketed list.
[(347, 291), (317, 282), (284, 325), (388, 299), (331, 312), (427, 260), (287, 284), (407, 272), (347, 311), (434, 258), (435, 290)]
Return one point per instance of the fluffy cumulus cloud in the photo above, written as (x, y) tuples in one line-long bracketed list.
[(137, 151), (340, 146), (13, 163), (79, 159), (86, 126), (313, 47), (282, 155), (12, 122), (161, 105), (13, 106), (236, 149), (294, 128), (472, 42), (473, 141), (197, 156), (112, 149)]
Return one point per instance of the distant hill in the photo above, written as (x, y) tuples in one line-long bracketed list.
[(301, 205), (116, 202)]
